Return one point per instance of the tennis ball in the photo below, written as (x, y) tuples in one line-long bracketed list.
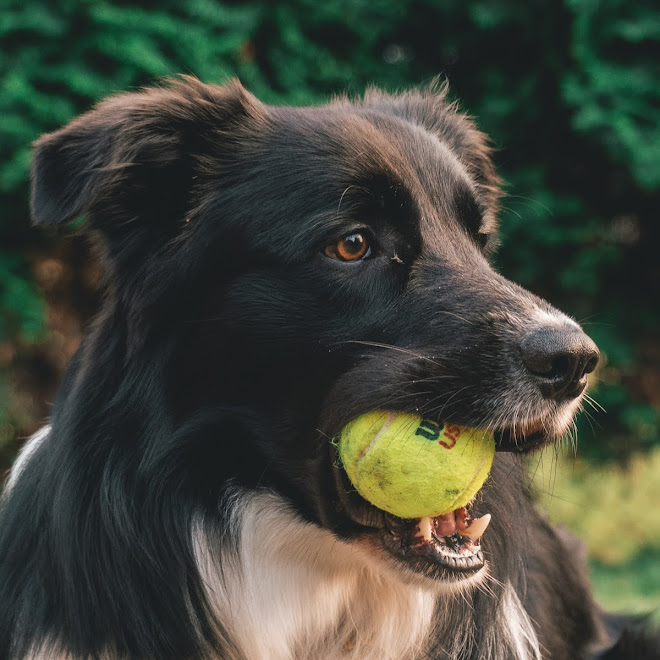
[(414, 467)]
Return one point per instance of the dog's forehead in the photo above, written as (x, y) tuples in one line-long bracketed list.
[(333, 156)]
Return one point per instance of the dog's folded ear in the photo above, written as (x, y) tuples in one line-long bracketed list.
[(429, 107), (135, 156)]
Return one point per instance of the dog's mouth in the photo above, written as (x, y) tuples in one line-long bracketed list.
[(521, 437), (444, 547)]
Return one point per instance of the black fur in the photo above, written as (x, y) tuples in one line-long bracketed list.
[(230, 348)]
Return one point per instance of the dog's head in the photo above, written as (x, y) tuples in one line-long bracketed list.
[(274, 272)]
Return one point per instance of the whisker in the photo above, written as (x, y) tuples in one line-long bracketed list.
[(341, 199), (439, 411), (594, 404), (458, 316), (391, 347), (508, 209), (531, 202)]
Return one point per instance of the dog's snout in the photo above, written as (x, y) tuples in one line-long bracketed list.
[(559, 359)]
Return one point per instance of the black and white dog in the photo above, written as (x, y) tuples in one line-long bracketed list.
[(272, 273)]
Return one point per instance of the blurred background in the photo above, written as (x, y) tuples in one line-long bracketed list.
[(568, 90)]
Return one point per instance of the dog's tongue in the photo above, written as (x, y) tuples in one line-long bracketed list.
[(457, 521)]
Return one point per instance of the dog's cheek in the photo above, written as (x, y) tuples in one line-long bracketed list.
[(295, 306)]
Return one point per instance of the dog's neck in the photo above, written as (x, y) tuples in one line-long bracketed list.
[(295, 591)]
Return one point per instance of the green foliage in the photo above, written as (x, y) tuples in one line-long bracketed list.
[(613, 89), (609, 507), (20, 302), (568, 90), (633, 588)]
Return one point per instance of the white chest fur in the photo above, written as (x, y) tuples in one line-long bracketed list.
[(292, 591)]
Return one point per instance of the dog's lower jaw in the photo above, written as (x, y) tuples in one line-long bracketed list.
[(291, 590)]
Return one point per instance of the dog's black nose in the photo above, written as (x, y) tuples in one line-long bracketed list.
[(559, 358)]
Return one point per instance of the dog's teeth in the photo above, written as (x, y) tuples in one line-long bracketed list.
[(425, 527), (476, 528)]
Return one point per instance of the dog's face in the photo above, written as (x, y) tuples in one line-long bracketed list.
[(289, 269)]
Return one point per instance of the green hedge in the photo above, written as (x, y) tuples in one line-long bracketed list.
[(568, 90)]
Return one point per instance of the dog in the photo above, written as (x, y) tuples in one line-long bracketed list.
[(270, 273)]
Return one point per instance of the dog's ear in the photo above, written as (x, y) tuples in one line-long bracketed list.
[(133, 159), (429, 107)]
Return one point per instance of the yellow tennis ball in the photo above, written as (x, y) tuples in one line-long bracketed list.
[(414, 467)]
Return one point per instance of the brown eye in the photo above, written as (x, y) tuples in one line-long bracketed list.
[(349, 248)]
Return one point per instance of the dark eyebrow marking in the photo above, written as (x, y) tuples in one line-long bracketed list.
[(468, 210)]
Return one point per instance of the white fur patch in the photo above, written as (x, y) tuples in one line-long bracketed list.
[(291, 591), (518, 628), (294, 591), (27, 451), (44, 653), (555, 318)]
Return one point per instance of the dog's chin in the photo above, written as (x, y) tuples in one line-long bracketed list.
[(443, 548), (421, 564), (524, 439)]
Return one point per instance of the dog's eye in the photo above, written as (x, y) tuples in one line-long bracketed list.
[(352, 247)]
